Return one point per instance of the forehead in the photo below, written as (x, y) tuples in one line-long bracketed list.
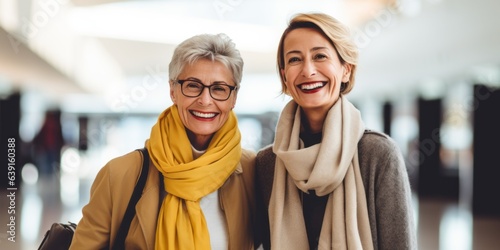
[(305, 38), (205, 69)]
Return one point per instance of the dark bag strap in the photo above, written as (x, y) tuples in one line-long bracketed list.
[(136, 195)]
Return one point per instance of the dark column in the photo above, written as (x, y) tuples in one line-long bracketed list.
[(433, 179), (429, 119), (387, 117), (486, 183), (11, 157), (83, 142)]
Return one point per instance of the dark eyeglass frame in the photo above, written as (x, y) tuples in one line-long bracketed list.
[(231, 88)]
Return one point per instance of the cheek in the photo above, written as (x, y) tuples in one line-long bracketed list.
[(289, 73), (292, 73), (183, 103), (290, 87)]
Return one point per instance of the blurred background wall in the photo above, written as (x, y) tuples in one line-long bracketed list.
[(83, 81)]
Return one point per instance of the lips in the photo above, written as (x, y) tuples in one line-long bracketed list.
[(203, 115), (311, 86)]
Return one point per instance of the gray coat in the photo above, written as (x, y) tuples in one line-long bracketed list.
[(387, 189)]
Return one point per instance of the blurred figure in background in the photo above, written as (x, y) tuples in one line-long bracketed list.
[(47, 144), (327, 182)]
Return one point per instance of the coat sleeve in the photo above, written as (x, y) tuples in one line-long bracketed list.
[(93, 230), (264, 175), (388, 193)]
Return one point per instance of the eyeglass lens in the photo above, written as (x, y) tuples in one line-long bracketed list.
[(217, 91)]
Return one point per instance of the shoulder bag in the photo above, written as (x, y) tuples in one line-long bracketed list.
[(59, 236)]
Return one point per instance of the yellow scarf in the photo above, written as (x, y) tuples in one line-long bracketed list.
[(181, 223)]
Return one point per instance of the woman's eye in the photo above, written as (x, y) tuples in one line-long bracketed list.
[(293, 60), (219, 88), (193, 85), (319, 56)]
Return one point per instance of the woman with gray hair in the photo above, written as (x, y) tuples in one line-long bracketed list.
[(327, 182), (199, 189)]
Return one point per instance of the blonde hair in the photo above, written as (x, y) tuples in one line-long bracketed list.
[(335, 31)]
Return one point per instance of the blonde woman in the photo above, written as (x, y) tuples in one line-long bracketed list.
[(327, 182)]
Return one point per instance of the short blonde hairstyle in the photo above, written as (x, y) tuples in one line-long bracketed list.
[(335, 31)]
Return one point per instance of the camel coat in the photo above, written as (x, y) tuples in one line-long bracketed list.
[(113, 186)]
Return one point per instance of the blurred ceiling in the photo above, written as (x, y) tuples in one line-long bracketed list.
[(23, 68), (105, 46)]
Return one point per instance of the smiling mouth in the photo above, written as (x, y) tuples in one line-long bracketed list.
[(203, 115), (311, 86)]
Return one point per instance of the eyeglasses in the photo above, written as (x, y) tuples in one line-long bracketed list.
[(194, 88)]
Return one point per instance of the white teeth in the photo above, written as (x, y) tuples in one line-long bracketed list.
[(311, 86), (204, 115)]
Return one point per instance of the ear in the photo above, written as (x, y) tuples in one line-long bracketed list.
[(172, 92), (233, 99), (347, 72)]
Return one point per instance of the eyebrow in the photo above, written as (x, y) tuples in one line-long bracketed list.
[(298, 52), (198, 80)]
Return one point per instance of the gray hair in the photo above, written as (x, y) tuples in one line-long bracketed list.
[(207, 46)]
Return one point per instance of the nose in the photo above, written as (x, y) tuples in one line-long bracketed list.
[(205, 98), (308, 68)]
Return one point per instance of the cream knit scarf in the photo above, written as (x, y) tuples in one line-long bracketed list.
[(330, 168)]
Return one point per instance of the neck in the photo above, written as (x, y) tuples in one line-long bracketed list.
[(313, 119), (199, 142)]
